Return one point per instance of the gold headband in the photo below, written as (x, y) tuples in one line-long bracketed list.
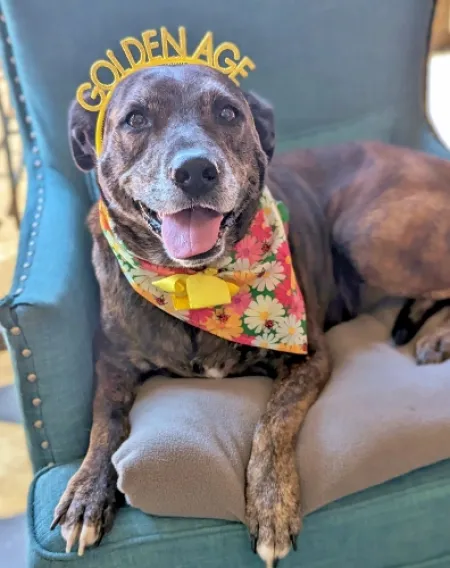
[(156, 48)]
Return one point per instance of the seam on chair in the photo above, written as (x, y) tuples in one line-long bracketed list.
[(35, 170), (29, 381), (29, 389)]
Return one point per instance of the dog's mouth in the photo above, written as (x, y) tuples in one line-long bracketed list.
[(190, 232)]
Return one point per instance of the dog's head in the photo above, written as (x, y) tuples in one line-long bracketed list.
[(183, 161)]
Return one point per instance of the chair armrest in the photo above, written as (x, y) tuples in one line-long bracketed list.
[(50, 318), (432, 144)]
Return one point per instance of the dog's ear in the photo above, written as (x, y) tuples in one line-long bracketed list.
[(82, 136), (264, 121)]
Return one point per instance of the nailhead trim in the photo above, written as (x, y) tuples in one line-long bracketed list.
[(37, 171)]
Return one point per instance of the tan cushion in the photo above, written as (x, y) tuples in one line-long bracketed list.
[(380, 416)]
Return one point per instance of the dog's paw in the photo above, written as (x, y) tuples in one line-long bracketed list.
[(272, 505), (86, 509), (433, 348)]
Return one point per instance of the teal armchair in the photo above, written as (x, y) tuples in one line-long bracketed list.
[(335, 71)]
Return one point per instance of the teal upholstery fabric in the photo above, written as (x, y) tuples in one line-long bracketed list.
[(56, 311), (403, 523), (335, 71)]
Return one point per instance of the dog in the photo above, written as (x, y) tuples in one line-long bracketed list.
[(360, 213)]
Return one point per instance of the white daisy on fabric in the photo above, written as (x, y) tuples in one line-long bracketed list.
[(290, 331), (241, 265), (266, 340), (270, 214), (263, 313), (265, 199), (144, 280), (240, 272), (277, 238), (226, 263), (271, 275)]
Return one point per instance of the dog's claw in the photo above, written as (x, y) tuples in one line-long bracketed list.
[(88, 537), (56, 521), (253, 543), (294, 542), (72, 536), (100, 537)]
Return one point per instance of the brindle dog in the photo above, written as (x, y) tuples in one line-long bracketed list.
[(178, 138)]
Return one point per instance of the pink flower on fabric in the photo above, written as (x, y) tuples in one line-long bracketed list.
[(298, 305), (199, 317), (260, 229), (241, 302), (285, 294), (245, 339), (284, 257), (249, 248)]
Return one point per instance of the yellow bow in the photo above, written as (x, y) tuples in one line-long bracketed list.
[(195, 291)]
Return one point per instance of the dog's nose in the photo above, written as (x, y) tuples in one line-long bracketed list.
[(196, 176)]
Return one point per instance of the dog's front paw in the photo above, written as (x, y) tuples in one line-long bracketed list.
[(273, 501), (87, 508), (433, 348)]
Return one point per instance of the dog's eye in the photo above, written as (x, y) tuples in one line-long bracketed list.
[(228, 113), (135, 119)]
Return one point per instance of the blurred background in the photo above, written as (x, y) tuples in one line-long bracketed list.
[(15, 471)]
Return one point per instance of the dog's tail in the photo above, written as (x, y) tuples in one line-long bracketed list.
[(413, 316)]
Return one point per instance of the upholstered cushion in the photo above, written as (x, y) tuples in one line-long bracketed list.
[(403, 523), (380, 416)]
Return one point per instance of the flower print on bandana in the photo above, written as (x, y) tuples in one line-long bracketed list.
[(265, 308), (263, 313)]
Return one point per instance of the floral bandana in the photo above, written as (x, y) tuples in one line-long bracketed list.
[(250, 297)]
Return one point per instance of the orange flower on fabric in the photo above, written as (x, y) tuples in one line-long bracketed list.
[(225, 323)]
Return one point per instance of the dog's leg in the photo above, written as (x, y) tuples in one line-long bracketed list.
[(87, 508), (434, 347), (273, 487), (413, 316)]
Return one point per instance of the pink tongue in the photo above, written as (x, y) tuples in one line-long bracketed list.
[(190, 232)]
